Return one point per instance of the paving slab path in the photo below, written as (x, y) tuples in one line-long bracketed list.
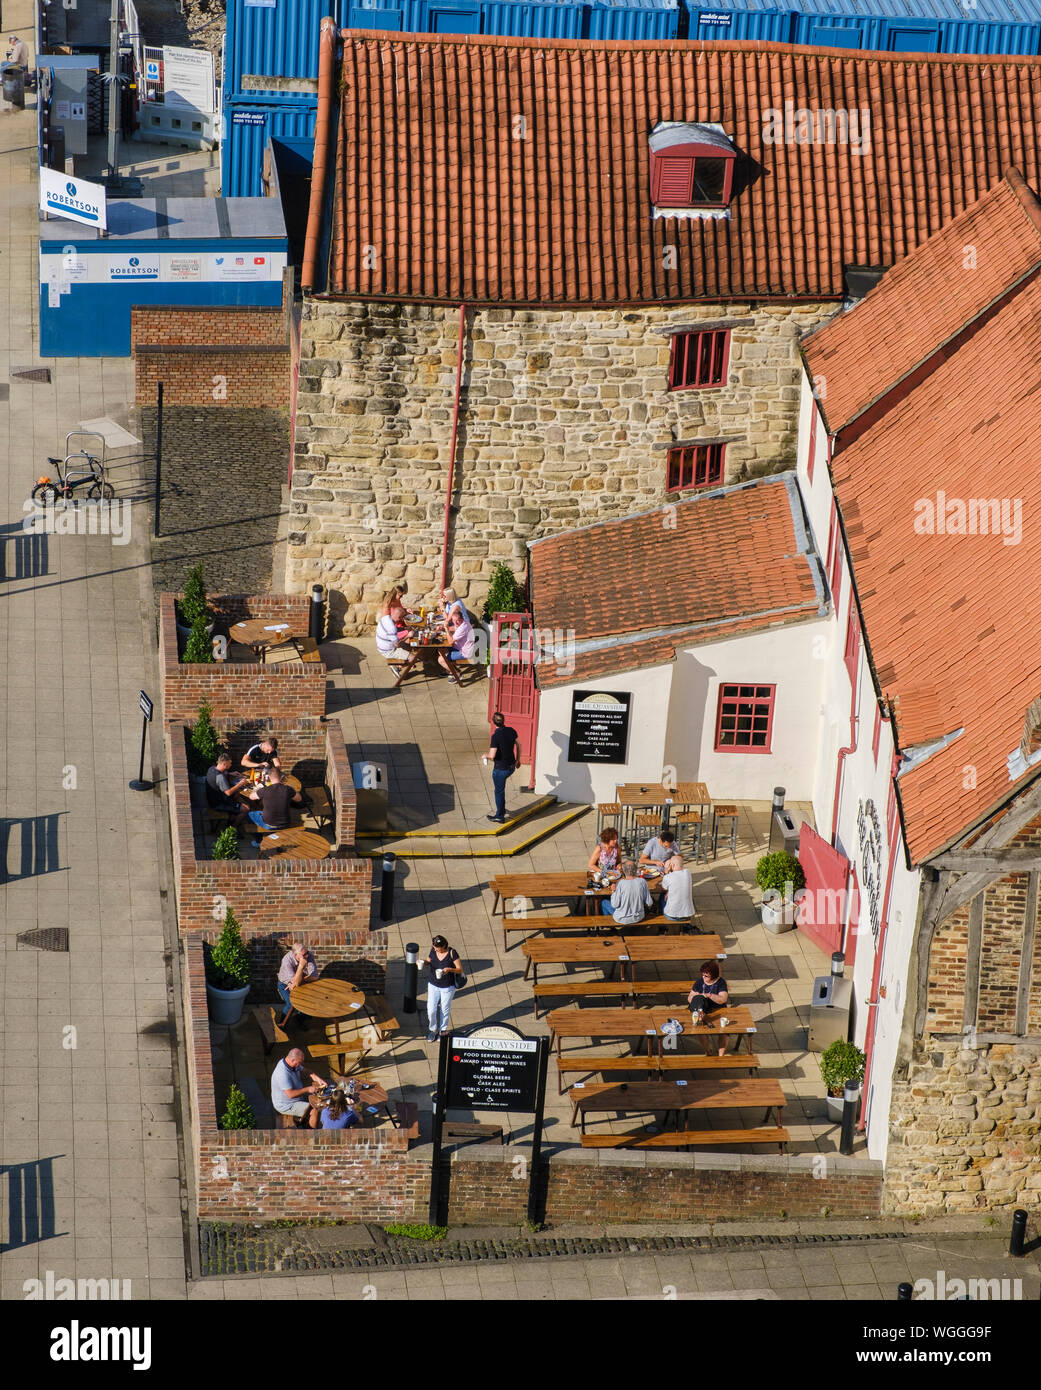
[(89, 1151)]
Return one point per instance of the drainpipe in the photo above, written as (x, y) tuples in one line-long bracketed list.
[(455, 434), (323, 137)]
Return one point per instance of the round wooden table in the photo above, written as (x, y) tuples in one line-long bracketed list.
[(328, 998), (287, 778), (294, 843), (261, 633)]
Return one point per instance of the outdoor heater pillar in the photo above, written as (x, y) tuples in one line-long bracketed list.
[(411, 987), (387, 888), (849, 1117), (316, 621), (775, 811)]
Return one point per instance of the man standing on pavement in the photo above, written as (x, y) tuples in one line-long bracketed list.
[(504, 752)]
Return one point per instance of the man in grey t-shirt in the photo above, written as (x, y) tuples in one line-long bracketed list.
[(659, 849), (629, 902)]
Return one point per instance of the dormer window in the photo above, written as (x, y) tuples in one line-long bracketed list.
[(692, 166)]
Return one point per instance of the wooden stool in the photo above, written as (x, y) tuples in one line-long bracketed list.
[(689, 825), (607, 812), (719, 814)]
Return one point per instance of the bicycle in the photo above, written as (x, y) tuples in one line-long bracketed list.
[(92, 478)]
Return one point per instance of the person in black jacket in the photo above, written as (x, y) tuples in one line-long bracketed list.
[(504, 752)]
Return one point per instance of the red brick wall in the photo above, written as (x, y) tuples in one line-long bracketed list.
[(276, 896), (286, 693), (245, 348), (947, 974)]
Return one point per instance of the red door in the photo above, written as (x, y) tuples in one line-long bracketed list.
[(512, 687)]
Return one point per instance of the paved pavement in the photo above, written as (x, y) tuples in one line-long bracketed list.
[(843, 1272), (88, 1146)]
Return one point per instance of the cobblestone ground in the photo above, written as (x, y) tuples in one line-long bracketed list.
[(222, 472)]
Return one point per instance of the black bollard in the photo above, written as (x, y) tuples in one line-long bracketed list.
[(408, 1004), (1019, 1232), (849, 1117), (316, 619), (387, 888), (903, 1293)]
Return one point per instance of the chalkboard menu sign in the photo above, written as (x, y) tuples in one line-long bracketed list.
[(599, 726), (492, 1073)]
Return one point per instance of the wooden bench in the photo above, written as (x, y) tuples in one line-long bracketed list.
[(457, 1129), (319, 807), (381, 1016), (687, 1138), (307, 648), (615, 989), (593, 921), (406, 1117), (285, 1121), (269, 1029), (588, 1064)]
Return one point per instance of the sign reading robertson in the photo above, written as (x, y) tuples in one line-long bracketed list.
[(72, 198), (599, 727), (140, 267)]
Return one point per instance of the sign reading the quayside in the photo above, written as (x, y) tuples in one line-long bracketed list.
[(493, 1070), (75, 199), (599, 726)]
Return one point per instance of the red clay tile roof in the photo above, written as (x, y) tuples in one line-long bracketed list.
[(950, 618), (729, 561), (434, 198), (925, 300)]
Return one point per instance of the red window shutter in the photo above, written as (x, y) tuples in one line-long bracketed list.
[(813, 442), (852, 652), (699, 359), (675, 183), (835, 561), (701, 465), (876, 734)]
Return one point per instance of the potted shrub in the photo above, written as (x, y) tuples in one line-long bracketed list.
[(226, 845), (203, 746), (227, 972), (781, 878), (193, 605), (505, 595), (238, 1113), (839, 1063), (199, 646)]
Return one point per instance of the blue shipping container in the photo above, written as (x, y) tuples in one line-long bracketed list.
[(998, 27), (248, 126)]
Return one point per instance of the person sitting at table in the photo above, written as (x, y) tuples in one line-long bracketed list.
[(391, 643), (658, 849), (464, 644), (679, 890), (298, 965), (288, 1089), (630, 900), (274, 804), (605, 854), (339, 1113), (451, 603), (397, 611), (221, 786), (709, 993), (262, 754)]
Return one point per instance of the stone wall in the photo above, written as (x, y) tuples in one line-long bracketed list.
[(275, 896), (286, 693), (564, 419), (965, 1119)]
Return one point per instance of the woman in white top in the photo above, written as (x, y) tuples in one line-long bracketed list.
[(388, 641), (679, 890), (450, 602)]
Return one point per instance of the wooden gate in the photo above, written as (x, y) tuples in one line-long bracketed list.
[(512, 686)]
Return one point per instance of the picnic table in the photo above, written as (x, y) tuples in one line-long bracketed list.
[(294, 843), (646, 1023), (261, 633), (681, 1097), (561, 887), (618, 950), (328, 998)]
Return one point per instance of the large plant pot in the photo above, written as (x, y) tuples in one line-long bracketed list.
[(834, 1105), (226, 1005), (197, 791), (778, 917)]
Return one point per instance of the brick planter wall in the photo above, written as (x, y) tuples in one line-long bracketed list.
[(292, 691), (208, 355), (277, 896)]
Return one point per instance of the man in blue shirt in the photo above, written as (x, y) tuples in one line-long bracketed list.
[(288, 1089)]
